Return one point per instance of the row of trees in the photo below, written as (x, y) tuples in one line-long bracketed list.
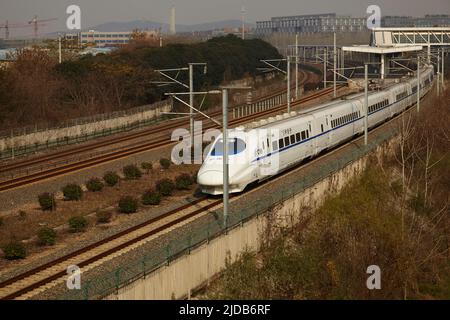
[(38, 89)]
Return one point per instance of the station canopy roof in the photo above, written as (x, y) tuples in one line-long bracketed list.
[(382, 50)]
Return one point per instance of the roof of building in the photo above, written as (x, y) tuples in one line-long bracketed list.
[(382, 50)]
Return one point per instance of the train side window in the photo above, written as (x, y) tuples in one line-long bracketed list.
[(321, 127), (307, 134), (303, 135), (274, 146), (292, 139), (286, 141), (281, 143), (297, 136)]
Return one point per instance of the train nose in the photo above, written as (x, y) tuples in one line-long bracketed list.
[(210, 178)]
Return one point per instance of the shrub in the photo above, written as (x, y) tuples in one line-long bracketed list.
[(72, 192), (165, 163), (46, 236), (47, 201), (111, 178), (151, 198), (147, 166), (95, 185), (128, 205), (194, 177), (103, 217), (132, 172), (14, 251), (78, 224), (165, 187), (183, 182)]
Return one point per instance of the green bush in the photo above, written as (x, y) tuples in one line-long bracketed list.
[(132, 172), (165, 187), (194, 177), (111, 178), (165, 163), (14, 251), (151, 198), (147, 166), (46, 236), (183, 182), (47, 201), (94, 185), (104, 217), (128, 205), (78, 224), (72, 192)]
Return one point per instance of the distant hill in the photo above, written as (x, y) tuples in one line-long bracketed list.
[(142, 24)]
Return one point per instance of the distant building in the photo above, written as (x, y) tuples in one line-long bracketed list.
[(111, 38), (426, 21), (316, 23)]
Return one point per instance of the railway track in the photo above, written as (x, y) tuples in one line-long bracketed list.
[(110, 156), (154, 130), (44, 277)]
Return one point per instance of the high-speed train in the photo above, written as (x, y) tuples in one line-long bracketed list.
[(268, 147)]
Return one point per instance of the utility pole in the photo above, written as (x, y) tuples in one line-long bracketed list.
[(366, 103), (334, 65), (438, 73), (59, 48), (325, 62), (418, 83), (243, 22), (443, 69), (191, 102), (225, 156), (288, 84), (296, 66)]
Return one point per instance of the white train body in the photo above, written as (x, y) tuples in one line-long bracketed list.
[(277, 144)]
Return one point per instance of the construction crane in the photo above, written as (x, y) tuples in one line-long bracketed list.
[(39, 23), (7, 26)]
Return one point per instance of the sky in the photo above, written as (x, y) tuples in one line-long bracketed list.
[(94, 12)]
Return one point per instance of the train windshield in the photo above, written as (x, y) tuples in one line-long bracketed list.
[(235, 146)]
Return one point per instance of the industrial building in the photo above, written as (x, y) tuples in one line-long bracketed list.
[(110, 38), (420, 22), (329, 22)]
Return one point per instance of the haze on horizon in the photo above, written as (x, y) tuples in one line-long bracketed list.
[(95, 12)]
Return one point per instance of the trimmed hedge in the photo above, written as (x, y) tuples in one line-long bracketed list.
[(78, 224), (165, 187), (151, 198), (147, 166), (132, 172), (72, 192), (128, 205), (183, 182), (14, 251), (165, 163), (94, 185), (111, 178), (103, 217), (46, 236), (47, 201)]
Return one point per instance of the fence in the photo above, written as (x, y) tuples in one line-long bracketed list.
[(110, 281)]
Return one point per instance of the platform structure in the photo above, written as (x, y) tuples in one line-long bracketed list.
[(383, 55), (400, 37)]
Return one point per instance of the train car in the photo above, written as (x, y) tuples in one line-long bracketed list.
[(271, 146)]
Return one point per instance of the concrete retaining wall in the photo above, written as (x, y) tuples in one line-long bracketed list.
[(41, 137), (191, 271)]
